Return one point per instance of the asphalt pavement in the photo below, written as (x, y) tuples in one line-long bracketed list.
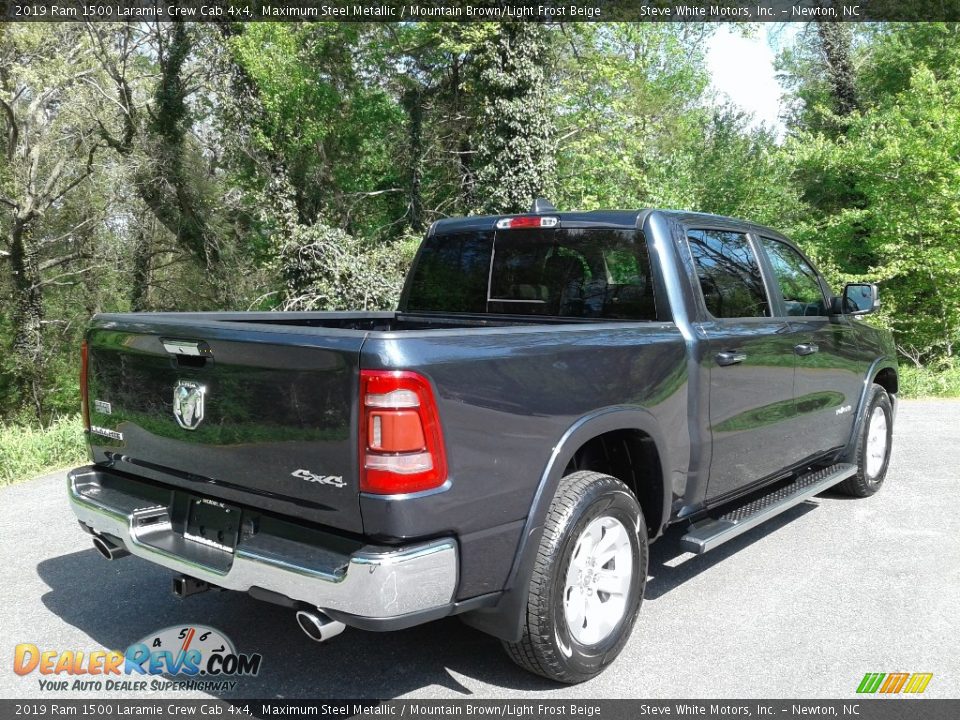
[(801, 607)]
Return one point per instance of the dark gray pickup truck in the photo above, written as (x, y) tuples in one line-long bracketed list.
[(553, 392)]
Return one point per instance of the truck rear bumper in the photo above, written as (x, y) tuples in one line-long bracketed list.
[(367, 582)]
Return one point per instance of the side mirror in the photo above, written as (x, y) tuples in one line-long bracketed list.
[(859, 299)]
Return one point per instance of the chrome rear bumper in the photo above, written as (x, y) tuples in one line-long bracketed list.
[(370, 582)]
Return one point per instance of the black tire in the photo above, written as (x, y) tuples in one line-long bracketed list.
[(547, 647), (865, 484)]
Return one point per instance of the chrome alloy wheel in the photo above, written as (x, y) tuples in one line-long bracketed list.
[(598, 580), (876, 442)]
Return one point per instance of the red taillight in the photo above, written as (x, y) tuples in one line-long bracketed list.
[(401, 443), (84, 397), (527, 221)]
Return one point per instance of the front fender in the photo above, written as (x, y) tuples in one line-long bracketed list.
[(884, 362), (505, 620)]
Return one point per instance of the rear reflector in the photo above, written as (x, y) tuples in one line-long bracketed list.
[(527, 221), (401, 443), (84, 394)]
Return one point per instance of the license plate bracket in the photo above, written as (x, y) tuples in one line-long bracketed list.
[(213, 523)]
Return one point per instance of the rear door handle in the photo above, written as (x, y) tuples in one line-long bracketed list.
[(730, 357), (806, 348)]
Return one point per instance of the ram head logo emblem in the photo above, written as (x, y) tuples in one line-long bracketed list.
[(188, 404)]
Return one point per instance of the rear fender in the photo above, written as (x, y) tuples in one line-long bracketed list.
[(505, 620)]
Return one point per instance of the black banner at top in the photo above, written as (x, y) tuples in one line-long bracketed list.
[(479, 10)]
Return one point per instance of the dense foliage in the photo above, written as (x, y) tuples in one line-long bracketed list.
[(177, 166)]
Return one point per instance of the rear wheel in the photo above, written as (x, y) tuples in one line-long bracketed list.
[(873, 446), (588, 580)]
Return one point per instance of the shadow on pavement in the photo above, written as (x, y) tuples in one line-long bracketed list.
[(666, 573), (118, 603)]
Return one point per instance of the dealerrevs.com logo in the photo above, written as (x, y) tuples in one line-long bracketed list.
[(195, 656)]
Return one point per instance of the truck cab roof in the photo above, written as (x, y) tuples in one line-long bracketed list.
[(598, 218)]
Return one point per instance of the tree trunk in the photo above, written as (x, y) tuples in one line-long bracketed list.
[(413, 100), (140, 286), (835, 42), (165, 179), (27, 350), (169, 188), (515, 148), (464, 150)]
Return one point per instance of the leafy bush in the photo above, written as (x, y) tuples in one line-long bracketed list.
[(921, 382), (325, 268), (887, 210), (30, 450)]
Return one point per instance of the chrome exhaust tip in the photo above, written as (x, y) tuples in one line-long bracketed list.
[(109, 548), (317, 626)]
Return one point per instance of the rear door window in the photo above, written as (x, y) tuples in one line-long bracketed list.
[(729, 274)]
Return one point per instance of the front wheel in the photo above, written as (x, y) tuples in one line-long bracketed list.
[(873, 446), (588, 580)]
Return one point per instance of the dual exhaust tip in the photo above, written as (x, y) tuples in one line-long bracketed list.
[(316, 625), (109, 547), (112, 548)]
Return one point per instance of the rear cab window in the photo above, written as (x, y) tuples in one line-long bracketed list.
[(599, 273)]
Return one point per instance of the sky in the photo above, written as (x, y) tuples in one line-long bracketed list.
[(742, 69)]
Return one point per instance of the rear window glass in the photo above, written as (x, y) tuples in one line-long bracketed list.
[(451, 274), (580, 273)]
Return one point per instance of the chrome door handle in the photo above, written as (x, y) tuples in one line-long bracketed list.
[(730, 357), (806, 348)]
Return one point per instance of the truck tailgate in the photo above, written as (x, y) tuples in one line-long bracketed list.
[(254, 414)]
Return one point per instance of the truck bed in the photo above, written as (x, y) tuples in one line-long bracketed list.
[(368, 321)]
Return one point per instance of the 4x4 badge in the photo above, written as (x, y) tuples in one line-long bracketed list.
[(188, 404), (335, 480)]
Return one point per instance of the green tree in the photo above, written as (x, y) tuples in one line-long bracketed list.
[(629, 101), (880, 180), (323, 123), (514, 143), (902, 157), (47, 148), (729, 168)]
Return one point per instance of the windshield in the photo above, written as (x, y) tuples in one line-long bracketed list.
[(578, 273)]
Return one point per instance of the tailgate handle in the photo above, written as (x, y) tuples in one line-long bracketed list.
[(197, 348), (189, 353)]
